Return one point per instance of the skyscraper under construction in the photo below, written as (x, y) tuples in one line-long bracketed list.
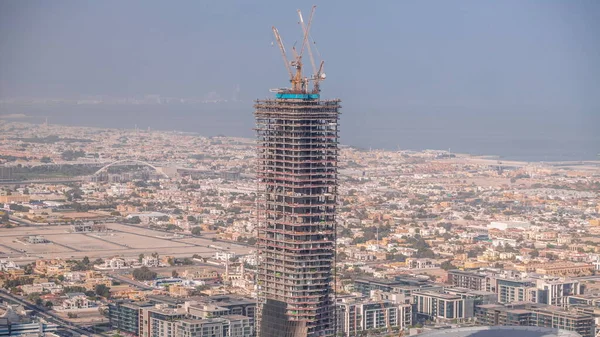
[(297, 150)]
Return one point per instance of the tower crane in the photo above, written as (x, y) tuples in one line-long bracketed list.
[(300, 84)]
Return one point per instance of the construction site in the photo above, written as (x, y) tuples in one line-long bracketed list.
[(297, 151)]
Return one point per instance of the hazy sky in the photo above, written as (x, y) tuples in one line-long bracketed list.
[(393, 63)]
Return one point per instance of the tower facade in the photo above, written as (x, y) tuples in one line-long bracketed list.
[(297, 154)]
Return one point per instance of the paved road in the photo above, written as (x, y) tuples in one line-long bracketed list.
[(588, 278), (48, 316), (45, 181), (127, 280)]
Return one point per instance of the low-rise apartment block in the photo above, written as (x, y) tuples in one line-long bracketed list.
[(527, 314)]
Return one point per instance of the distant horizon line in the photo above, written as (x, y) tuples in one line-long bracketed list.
[(356, 147)]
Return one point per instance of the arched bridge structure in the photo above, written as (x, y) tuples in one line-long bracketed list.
[(130, 162)]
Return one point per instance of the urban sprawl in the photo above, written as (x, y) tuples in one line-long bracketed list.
[(149, 233)]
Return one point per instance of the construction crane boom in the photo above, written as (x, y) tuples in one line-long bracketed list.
[(300, 83), (306, 31), (283, 53)]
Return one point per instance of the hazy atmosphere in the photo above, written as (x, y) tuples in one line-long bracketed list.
[(238, 169), (519, 79)]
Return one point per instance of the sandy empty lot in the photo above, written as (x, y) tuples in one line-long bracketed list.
[(40, 248), (121, 240), (83, 242), (138, 241)]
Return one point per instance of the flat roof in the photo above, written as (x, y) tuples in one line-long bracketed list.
[(378, 281), (467, 272), (436, 294), (501, 331)]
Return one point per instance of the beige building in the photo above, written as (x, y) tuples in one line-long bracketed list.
[(14, 198), (563, 268), (566, 269)]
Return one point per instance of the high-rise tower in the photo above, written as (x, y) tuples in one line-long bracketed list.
[(297, 150)]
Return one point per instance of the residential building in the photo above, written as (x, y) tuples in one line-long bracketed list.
[(473, 280), (114, 263), (528, 314), (158, 316), (499, 331), (366, 285), (150, 261), (225, 326), (224, 256), (429, 305), (588, 300), (516, 290), (75, 301), (125, 315), (160, 321), (39, 328), (355, 315), (230, 305), (472, 298), (414, 263), (556, 291), (505, 225)]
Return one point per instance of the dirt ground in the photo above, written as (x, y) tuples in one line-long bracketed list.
[(121, 240)]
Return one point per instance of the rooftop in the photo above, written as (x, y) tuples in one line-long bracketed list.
[(501, 331)]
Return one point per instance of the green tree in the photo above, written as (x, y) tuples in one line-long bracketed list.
[(197, 231), (46, 160), (135, 220), (534, 253), (49, 304), (447, 265), (172, 227), (144, 274), (102, 290), (72, 155)]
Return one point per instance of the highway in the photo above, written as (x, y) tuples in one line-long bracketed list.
[(48, 316)]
